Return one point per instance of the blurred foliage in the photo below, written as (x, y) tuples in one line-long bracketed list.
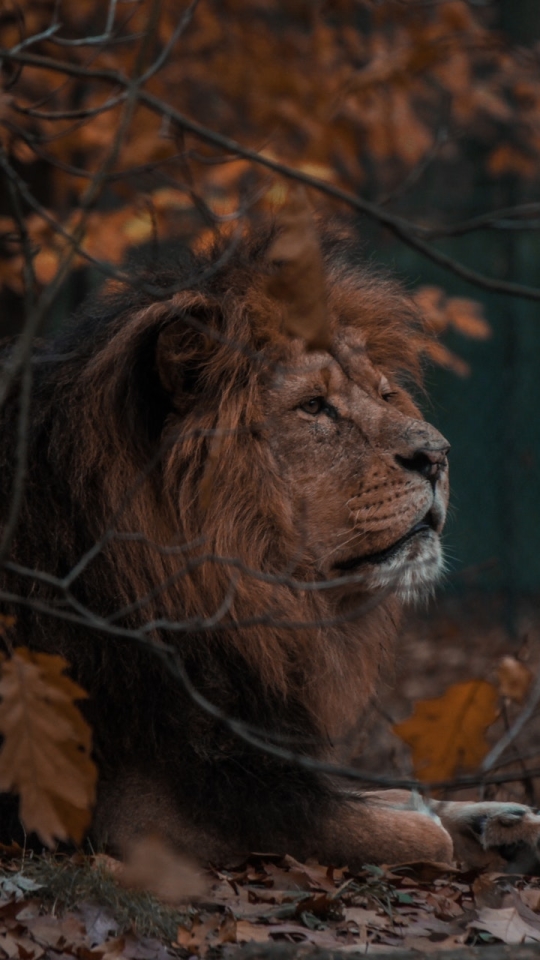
[(362, 95)]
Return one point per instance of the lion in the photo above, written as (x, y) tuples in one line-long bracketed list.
[(218, 530)]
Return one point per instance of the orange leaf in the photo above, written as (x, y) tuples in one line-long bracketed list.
[(430, 302), (45, 756), (446, 358), (447, 734), (466, 316), (297, 277), (509, 159), (45, 266)]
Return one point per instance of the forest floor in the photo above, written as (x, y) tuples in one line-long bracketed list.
[(55, 907)]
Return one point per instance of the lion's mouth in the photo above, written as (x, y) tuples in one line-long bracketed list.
[(423, 527)]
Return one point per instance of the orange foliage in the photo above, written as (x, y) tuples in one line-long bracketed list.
[(447, 734), (327, 92)]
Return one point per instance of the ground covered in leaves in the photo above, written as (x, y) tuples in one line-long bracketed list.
[(87, 906), (75, 907)]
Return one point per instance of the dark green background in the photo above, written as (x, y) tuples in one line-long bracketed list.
[(492, 417)]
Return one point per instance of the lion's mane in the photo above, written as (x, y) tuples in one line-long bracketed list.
[(146, 398)]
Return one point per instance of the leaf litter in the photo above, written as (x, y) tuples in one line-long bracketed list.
[(79, 907)]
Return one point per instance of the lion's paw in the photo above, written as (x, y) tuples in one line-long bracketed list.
[(495, 835)]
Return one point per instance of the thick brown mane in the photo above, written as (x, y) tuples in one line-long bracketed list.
[(158, 396)]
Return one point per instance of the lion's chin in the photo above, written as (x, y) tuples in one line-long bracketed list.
[(409, 570), (412, 573)]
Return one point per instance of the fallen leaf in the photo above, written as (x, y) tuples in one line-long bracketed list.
[(29, 949), (506, 925), (198, 937), (45, 757), (98, 922), (111, 949), (487, 893), (318, 876), (18, 886), (52, 931), (366, 918), (247, 932), (153, 866), (448, 733)]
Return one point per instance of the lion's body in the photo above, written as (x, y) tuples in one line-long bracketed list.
[(175, 433)]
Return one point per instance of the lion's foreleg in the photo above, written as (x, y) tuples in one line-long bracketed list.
[(484, 835), (385, 828)]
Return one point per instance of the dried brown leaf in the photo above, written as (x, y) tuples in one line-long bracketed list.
[(448, 733), (487, 892), (318, 876), (506, 925), (247, 932), (45, 757)]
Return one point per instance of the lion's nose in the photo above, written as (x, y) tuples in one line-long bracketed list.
[(425, 452), (427, 462), (422, 449)]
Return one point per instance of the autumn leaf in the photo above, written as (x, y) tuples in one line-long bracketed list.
[(440, 312), (153, 866), (46, 265), (507, 925), (446, 358), (45, 757), (466, 316), (509, 159), (447, 734), (297, 275)]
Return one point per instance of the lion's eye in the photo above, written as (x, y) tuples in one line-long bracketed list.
[(385, 391), (314, 406)]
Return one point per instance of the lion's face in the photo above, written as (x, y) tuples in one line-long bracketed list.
[(367, 476)]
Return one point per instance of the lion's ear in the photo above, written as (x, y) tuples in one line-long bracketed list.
[(184, 347)]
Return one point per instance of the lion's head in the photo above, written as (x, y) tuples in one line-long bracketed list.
[(314, 461), (237, 484)]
